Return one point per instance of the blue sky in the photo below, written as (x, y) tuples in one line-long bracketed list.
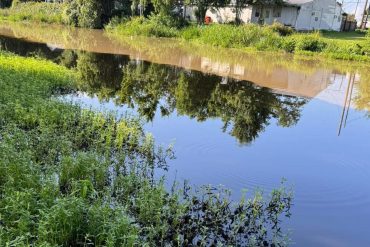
[(350, 6)]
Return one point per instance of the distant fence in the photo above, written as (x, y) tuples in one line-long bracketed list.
[(348, 26)]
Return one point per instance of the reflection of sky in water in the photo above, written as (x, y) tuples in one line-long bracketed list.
[(330, 174)]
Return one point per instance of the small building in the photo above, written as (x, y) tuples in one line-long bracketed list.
[(303, 15), (318, 14)]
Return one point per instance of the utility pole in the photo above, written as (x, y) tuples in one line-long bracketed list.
[(358, 2), (365, 16)]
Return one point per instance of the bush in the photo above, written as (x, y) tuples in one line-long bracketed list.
[(232, 36), (289, 44), (89, 15), (281, 29), (310, 42), (83, 13), (191, 33), (71, 13), (154, 26), (349, 48)]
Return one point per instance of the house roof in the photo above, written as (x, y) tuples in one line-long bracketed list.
[(297, 2), (300, 2)]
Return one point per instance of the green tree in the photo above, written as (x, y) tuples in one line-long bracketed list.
[(90, 13), (83, 13), (163, 6)]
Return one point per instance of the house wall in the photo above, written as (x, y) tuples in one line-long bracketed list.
[(228, 14), (320, 15), (313, 15), (286, 15)]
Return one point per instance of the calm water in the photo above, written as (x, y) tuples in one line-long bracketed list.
[(240, 120)]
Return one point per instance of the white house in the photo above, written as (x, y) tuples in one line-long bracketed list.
[(300, 14), (318, 14)]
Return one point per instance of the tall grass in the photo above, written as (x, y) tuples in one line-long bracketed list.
[(34, 11), (275, 37), (154, 26), (74, 177)]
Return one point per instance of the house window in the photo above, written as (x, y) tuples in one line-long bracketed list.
[(267, 14), (257, 14), (277, 12), (316, 18)]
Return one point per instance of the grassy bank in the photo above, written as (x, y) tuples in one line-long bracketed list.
[(250, 37), (348, 46), (34, 11), (74, 177)]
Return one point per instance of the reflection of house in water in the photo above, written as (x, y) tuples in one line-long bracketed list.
[(279, 79), (340, 86)]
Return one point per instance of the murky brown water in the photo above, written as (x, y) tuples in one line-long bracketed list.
[(243, 120), (298, 76)]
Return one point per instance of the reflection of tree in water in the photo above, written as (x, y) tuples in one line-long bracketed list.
[(362, 100), (100, 74), (149, 88), (244, 108), (29, 49)]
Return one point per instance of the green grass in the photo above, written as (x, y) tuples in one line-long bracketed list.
[(34, 11), (347, 46), (351, 36), (74, 177)]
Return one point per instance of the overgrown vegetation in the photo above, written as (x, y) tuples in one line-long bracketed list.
[(82, 13), (33, 11), (74, 177), (157, 18), (251, 36)]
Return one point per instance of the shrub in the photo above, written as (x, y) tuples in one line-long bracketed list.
[(289, 44), (154, 26), (89, 15), (71, 13), (232, 36), (310, 42), (191, 33), (83, 13), (281, 29), (349, 48)]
